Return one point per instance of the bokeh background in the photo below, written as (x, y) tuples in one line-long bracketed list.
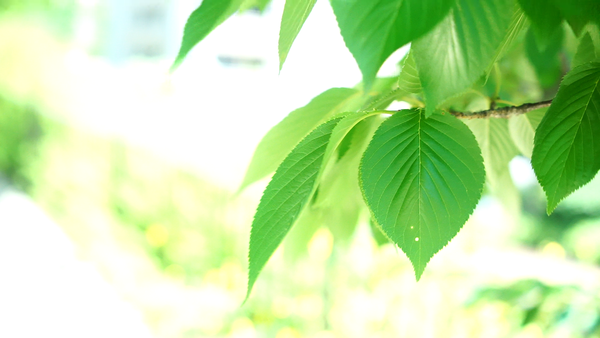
[(119, 215)]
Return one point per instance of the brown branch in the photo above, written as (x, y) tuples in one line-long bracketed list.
[(504, 112)]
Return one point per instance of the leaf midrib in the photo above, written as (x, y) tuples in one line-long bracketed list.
[(562, 171)]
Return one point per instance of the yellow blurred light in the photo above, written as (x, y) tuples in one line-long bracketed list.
[(175, 271), (242, 328), (321, 244), (554, 249), (288, 332), (282, 307), (531, 330), (309, 306), (157, 235), (325, 334)]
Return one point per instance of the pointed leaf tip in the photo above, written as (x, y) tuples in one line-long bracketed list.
[(566, 151), (422, 178)]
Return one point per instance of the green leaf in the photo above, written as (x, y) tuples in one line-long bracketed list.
[(282, 138), (296, 241), (497, 147), (545, 17), (374, 29), (339, 198), (589, 46), (294, 15), (546, 61), (202, 21), (378, 234), (422, 179), (522, 130), (517, 25), (459, 50), (291, 188), (586, 51), (285, 197), (404, 85), (408, 80), (579, 12), (566, 152)]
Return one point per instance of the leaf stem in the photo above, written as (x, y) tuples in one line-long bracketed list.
[(504, 112)]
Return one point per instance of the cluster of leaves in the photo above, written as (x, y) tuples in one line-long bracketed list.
[(421, 171)]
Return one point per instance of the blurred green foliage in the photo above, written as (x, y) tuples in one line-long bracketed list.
[(546, 310)]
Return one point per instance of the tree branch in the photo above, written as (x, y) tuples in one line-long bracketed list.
[(504, 112)]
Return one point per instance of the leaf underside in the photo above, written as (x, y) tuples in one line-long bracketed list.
[(374, 29), (545, 17), (285, 197), (522, 130), (292, 186), (295, 14), (209, 15), (282, 138), (566, 152), (422, 179), (459, 50)]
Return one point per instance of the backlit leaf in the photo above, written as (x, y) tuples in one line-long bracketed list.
[(459, 50), (497, 147), (374, 29), (292, 186), (422, 179), (566, 152), (408, 80), (295, 13), (282, 138), (202, 21), (522, 130), (285, 197)]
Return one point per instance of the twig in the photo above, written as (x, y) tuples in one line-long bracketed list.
[(503, 112)]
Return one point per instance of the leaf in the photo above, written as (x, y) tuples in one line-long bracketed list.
[(202, 21), (295, 13), (408, 80), (517, 25), (405, 84), (292, 186), (497, 147), (566, 151), (589, 46), (374, 29), (383, 92), (282, 138), (586, 51), (545, 17), (546, 61), (378, 235), (459, 50), (340, 199), (522, 130), (296, 241), (421, 179), (285, 197), (579, 12)]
